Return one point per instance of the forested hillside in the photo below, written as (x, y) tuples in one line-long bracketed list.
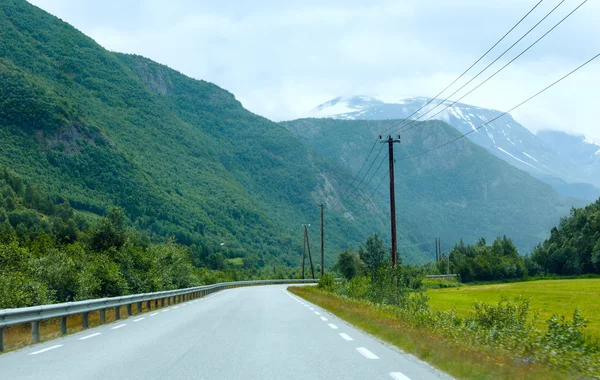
[(458, 191), (182, 157)]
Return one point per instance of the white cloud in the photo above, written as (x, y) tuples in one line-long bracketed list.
[(281, 59)]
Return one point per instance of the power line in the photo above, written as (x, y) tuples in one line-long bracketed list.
[(504, 113), (361, 168), (494, 61), (470, 67), (358, 191), (458, 78), (351, 196), (377, 187)]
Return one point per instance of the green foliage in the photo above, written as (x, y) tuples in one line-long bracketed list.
[(181, 157), (573, 247), (60, 256), (373, 253), (327, 282), (349, 264), (459, 191), (480, 262), (508, 326)]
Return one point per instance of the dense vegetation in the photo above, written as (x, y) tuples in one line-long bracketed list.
[(458, 191), (573, 248), (508, 327), (181, 157), (51, 253)]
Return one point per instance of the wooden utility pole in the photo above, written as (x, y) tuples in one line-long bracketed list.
[(437, 252), (312, 268), (322, 240), (304, 252), (390, 141)]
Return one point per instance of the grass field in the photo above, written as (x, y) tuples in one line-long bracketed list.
[(547, 296), (453, 357)]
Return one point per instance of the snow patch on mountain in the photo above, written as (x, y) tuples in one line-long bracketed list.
[(504, 137), (516, 158)]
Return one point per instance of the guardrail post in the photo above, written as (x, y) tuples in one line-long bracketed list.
[(35, 331), (103, 316), (1, 339), (63, 325), (169, 301), (139, 307), (156, 303), (162, 302), (148, 305), (117, 312), (84, 320), (129, 310)]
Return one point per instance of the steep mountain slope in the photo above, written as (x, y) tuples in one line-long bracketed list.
[(505, 138), (181, 156), (584, 153), (458, 191)]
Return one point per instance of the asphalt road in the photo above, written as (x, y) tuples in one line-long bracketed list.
[(260, 332)]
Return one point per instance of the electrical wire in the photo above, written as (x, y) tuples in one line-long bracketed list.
[(494, 74), (504, 113), (467, 70)]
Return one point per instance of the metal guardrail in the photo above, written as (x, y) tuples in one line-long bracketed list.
[(37, 314), (442, 276)]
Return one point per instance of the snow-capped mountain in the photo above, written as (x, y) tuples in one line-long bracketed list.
[(504, 137), (581, 151)]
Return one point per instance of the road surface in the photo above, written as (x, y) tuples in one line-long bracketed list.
[(261, 332)]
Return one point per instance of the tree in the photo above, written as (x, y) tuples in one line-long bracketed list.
[(111, 231), (373, 253), (349, 264)]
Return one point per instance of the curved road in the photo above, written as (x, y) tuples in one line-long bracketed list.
[(260, 332)]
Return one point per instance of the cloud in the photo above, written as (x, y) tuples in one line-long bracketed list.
[(281, 59)]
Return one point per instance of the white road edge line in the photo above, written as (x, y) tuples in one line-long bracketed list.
[(399, 376), (119, 326), (89, 336), (46, 349), (323, 319), (366, 353), (153, 314), (333, 326), (139, 319), (346, 336)]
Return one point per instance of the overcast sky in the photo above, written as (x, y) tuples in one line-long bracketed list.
[(283, 58)]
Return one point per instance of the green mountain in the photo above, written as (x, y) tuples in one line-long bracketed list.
[(182, 157), (458, 191)]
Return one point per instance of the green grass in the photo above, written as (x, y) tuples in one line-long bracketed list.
[(458, 359), (547, 296), (236, 262)]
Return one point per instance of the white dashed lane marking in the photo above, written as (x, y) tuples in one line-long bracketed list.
[(139, 319), (333, 326), (324, 319), (399, 376), (46, 349), (317, 313), (153, 314), (346, 336), (366, 353), (119, 326), (89, 336)]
